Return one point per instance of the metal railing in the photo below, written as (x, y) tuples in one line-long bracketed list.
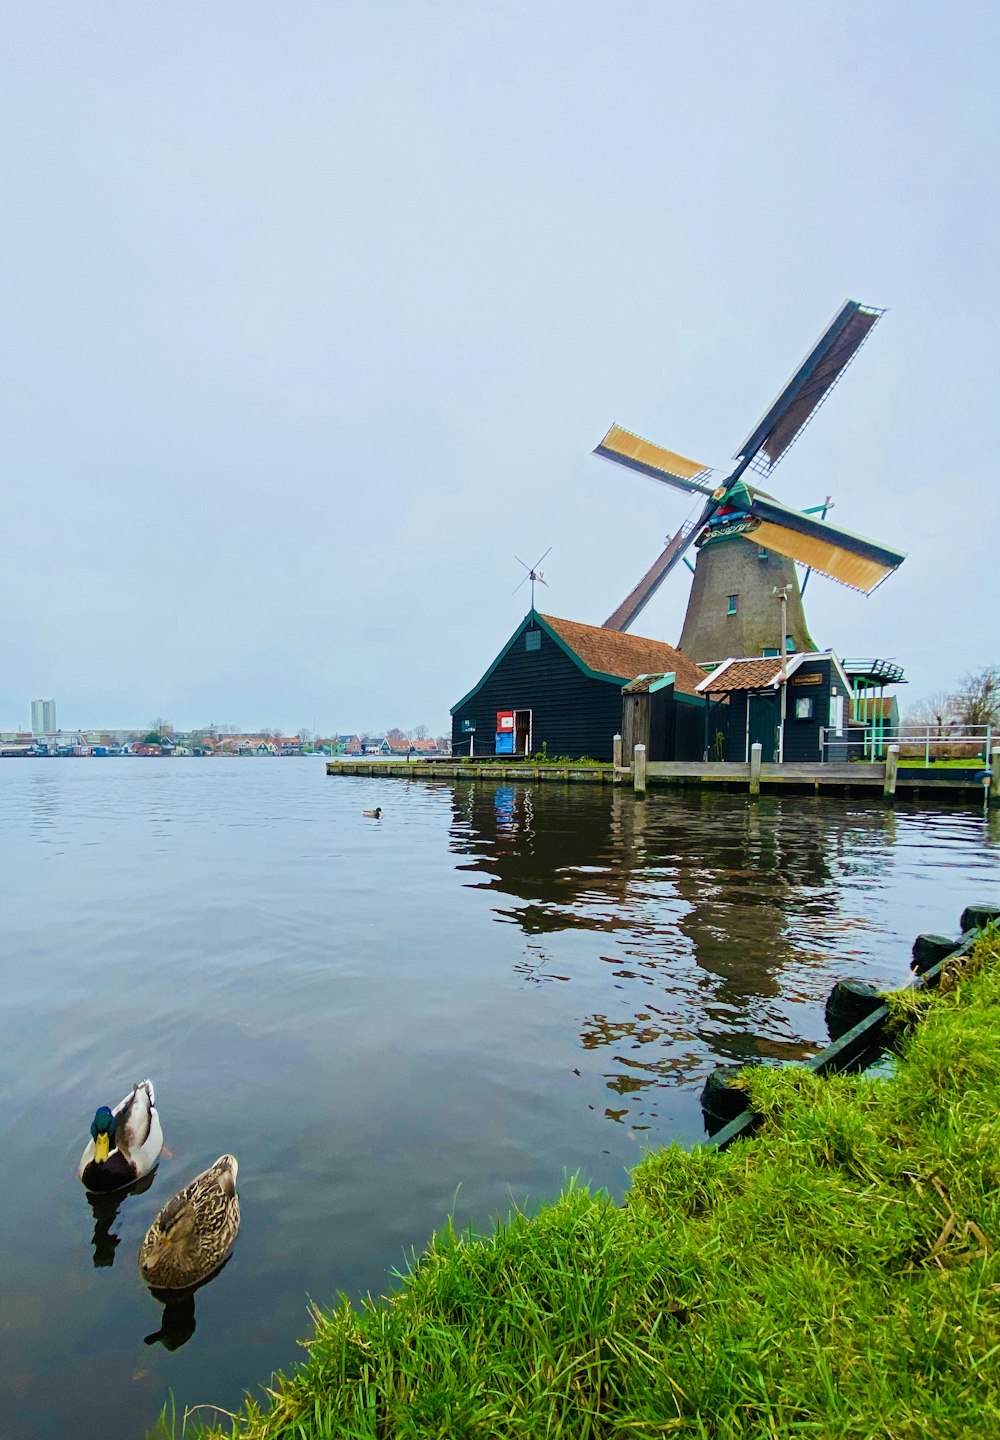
[(929, 743)]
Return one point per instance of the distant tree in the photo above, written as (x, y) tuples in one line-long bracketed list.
[(395, 734), (977, 701), (936, 713), (419, 732), (153, 738)]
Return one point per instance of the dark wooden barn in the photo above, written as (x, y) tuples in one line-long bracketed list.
[(799, 711), (670, 723), (556, 687)]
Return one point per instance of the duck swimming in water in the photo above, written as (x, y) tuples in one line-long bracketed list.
[(125, 1142), (375, 814), (195, 1231)]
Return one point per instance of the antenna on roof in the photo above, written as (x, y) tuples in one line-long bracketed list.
[(533, 574)]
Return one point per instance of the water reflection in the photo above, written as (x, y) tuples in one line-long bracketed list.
[(719, 917), (105, 1211), (177, 1323)]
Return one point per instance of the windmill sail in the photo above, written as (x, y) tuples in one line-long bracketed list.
[(851, 559), (809, 386), (624, 448), (654, 577)]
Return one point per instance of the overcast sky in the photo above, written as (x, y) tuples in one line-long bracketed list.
[(313, 313)]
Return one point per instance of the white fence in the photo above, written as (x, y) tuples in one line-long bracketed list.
[(929, 743)]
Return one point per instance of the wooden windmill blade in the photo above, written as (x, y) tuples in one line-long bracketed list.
[(654, 577), (851, 559), (808, 387), (624, 448)]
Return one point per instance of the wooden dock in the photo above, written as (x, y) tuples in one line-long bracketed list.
[(466, 770), (854, 777)]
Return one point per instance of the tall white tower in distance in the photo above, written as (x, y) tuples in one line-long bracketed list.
[(43, 717)]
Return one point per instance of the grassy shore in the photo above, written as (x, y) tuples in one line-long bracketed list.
[(837, 1276)]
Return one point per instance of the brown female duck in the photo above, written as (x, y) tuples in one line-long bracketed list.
[(194, 1232)]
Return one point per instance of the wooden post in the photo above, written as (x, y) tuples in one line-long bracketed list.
[(616, 752), (756, 751), (995, 775), (891, 766), (639, 769)]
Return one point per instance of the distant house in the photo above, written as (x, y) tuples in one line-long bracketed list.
[(401, 746), (347, 745), (375, 745), (557, 686), (878, 710)]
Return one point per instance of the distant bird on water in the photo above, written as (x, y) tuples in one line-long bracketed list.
[(375, 814), (195, 1231), (125, 1142)]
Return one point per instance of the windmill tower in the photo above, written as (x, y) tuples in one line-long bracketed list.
[(747, 541)]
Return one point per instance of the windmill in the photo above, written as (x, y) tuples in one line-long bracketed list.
[(747, 541), (533, 574)]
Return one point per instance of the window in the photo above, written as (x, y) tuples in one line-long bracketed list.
[(790, 644), (532, 639), (733, 602), (770, 652), (837, 714), (804, 707)]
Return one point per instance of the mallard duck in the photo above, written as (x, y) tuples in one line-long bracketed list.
[(125, 1142), (194, 1231), (375, 814)]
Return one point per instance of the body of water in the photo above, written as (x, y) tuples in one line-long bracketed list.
[(446, 1010)]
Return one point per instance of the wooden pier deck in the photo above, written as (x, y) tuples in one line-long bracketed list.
[(854, 777)]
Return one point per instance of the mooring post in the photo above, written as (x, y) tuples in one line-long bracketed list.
[(639, 769), (756, 751), (616, 752), (995, 775), (891, 768)]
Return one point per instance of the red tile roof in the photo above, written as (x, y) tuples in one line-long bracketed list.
[(743, 675), (614, 652)]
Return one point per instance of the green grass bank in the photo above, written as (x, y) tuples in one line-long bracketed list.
[(835, 1276)]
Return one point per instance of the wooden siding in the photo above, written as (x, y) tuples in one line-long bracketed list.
[(802, 737), (689, 727), (572, 714), (731, 719)]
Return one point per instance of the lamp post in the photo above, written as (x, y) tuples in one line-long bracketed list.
[(782, 593)]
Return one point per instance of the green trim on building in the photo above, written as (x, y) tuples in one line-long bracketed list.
[(536, 621)]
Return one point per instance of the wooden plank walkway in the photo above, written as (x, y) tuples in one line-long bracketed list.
[(856, 776)]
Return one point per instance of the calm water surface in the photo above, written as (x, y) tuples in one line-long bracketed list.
[(449, 1009)]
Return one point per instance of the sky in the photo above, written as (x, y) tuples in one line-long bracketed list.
[(314, 312)]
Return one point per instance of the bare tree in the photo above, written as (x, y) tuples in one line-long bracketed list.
[(395, 734), (978, 699), (419, 732), (936, 713)]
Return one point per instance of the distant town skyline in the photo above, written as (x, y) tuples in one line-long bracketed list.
[(316, 313)]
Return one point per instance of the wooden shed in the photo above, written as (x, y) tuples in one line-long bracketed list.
[(797, 708), (556, 686)]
